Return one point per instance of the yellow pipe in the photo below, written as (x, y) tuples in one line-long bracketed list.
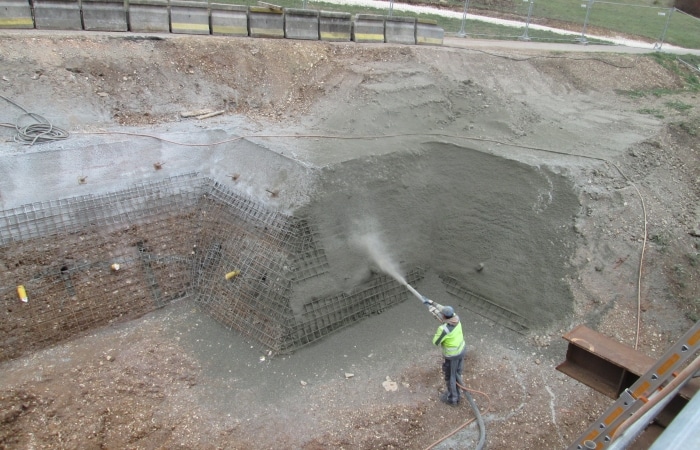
[(22, 293), (232, 274)]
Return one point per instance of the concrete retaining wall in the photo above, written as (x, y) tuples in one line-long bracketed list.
[(301, 24), (16, 14), (368, 28), (229, 20), (104, 15), (400, 30), (428, 32), (57, 15), (189, 17), (266, 22), (335, 26), (149, 16)]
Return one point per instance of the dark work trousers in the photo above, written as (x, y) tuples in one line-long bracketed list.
[(452, 369)]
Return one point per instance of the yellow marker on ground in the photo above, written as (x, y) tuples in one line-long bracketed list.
[(232, 274), (22, 293)]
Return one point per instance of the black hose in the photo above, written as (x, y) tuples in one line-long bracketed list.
[(477, 414), (479, 419)]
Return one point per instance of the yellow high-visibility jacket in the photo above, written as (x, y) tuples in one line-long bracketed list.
[(450, 339)]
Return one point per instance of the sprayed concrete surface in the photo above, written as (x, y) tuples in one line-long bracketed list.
[(508, 171)]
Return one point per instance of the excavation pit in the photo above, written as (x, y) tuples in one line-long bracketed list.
[(205, 283)]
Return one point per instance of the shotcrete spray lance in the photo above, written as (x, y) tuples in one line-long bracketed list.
[(434, 308)]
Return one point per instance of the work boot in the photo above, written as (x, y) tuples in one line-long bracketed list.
[(445, 398)]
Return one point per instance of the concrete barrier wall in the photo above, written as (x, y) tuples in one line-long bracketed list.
[(335, 26), (368, 28), (428, 32), (229, 20), (104, 15), (400, 30), (149, 16), (57, 15), (189, 17), (266, 22), (301, 24), (200, 17), (16, 14)]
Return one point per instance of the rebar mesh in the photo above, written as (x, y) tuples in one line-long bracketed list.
[(139, 203), (326, 315), (485, 307), (310, 258), (73, 286), (270, 253), (256, 300), (94, 260)]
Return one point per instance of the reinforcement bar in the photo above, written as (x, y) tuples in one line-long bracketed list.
[(132, 205), (93, 260), (329, 314), (485, 307)]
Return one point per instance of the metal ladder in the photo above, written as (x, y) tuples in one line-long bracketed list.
[(599, 435)]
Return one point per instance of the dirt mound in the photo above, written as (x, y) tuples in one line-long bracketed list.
[(141, 80)]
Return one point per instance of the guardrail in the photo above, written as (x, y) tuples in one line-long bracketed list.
[(202, 17)]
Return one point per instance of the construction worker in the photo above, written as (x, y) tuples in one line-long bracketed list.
[(450, 338)]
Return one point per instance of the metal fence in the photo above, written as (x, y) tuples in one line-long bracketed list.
[(582, 21)]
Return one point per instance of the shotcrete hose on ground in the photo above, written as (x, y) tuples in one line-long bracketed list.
[(479, 419), (477, 414)]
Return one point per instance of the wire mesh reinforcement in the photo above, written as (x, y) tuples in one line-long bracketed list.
[(93, 260), (270, 253), (142, 202), (310, 258), (485, 307), (326, 315), (73, 285)]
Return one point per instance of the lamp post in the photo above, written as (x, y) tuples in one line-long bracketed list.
[(525, 36), (583, 39), (658, 45), (462, 32)]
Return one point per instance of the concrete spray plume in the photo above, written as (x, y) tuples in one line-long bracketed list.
[(374, 247)]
